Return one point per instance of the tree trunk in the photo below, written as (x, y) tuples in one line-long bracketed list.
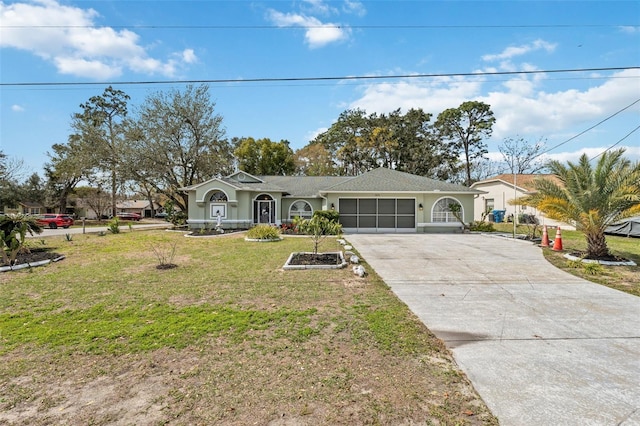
[(597, 245)]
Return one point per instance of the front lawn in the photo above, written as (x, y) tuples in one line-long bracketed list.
[(624, 278), (227, 337)]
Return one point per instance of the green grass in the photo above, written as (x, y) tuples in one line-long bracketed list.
[(232, 337)]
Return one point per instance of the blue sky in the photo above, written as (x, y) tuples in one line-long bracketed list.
[(55, 41)]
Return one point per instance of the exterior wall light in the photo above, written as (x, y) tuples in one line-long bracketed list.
[(420, 207)]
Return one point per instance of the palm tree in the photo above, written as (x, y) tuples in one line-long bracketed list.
[(13, 232), (591, 198)]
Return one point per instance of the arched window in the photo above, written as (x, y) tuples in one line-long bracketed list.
[(218, 204), (218, 196), (441, 211), (300, 209)]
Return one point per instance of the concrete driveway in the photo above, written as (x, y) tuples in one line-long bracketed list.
[(540, 346)]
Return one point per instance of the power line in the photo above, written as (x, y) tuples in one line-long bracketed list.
[(321, 26), (612, 146), (304, 79), (591, 128)]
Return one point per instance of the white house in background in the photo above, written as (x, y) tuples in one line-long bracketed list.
[(501, 189)]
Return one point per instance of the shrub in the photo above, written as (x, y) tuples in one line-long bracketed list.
[(592, 268), (264, 232), (331, 215), (165, 254), (13, 232), (482, 226), (114, 225)]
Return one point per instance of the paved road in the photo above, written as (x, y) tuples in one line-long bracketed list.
[(540, 346), (95, 229)]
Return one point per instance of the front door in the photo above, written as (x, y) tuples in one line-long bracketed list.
[(264, 210)]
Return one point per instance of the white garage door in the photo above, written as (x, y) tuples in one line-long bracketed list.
[(377, 214)]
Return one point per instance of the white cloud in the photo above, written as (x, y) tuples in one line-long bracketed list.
[(630, 30), (513, 51), (354, 7), (317, 33), (189, 56), (17, 108), (69, 38)]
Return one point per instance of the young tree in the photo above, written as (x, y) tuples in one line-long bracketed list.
[(591, 197), (177, 140), (464, 128), (264, 157), (522, 156), (100, 126)]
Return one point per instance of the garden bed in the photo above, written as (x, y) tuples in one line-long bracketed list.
[(308, 260)]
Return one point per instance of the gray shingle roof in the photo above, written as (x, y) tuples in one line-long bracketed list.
[(377, 180), (304, 186), (387, 180)]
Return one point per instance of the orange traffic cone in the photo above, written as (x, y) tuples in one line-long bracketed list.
[(557, 243), (545, 237)]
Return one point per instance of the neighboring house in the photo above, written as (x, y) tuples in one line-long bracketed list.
[(28, 207), (141, 207), (499, 191), (381, 200)]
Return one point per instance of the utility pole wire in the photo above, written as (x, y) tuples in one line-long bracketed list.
[(611, 147), (590, 128), (302, 79)]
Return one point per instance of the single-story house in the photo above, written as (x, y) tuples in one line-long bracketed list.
[(381, 200), (141, 207), (500, 190)]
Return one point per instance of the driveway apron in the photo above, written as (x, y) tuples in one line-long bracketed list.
[(540, 346)]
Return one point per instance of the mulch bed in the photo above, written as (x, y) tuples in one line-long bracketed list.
[(315, 259), (609, 258), (36, 255)]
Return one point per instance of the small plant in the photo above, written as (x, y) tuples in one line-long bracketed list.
[(481, 226), (114, 225), (592, 268), (130, 227), (263, 232), (68, 237), (165, 254), (318, 228), (574, 264), (101, 233), (13, 232)]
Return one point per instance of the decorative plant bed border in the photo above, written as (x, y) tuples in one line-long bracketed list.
[(30, 265), (288, 266), (601, 262), (264, 240)]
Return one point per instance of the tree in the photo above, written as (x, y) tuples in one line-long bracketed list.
[(522, 156), (314, 160), (95, 198), (11, 171), (33, 189), (264, 157), (68, 165), (341, 141), (420, 152), (177, 140), (592, 198), (101, 126), (465, 128)]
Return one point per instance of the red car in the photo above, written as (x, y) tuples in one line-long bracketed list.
[(53, 220), (128, 216)]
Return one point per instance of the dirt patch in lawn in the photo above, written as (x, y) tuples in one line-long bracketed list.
[(238, 385)]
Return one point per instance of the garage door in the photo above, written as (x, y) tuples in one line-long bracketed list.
[(377, 214)]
